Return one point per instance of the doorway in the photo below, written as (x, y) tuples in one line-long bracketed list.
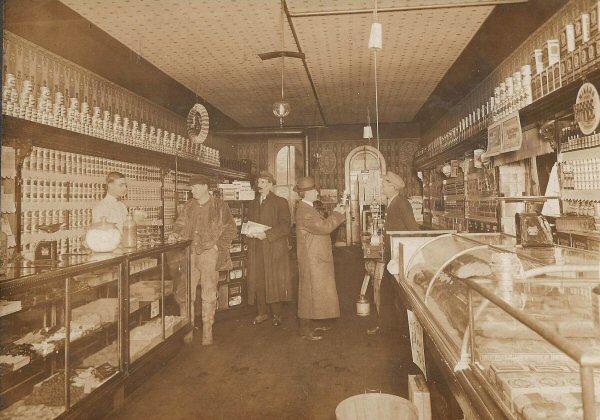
[(363, 169), (286, 163)]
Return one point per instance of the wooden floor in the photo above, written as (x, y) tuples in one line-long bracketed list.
[(267, 372)]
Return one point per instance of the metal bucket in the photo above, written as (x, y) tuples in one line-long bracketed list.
[(363, 306), (376, 406)]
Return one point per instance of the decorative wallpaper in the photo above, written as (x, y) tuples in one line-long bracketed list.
[(398, 154)]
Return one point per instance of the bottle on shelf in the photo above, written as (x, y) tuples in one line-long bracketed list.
[(129, 236)]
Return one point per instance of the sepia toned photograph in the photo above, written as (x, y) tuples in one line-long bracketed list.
[(300, 209)]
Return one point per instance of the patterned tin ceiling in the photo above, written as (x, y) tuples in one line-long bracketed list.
[(212, 48)]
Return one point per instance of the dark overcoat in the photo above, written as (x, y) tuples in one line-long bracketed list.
[(273, 251), (317, 293), (398, 216)]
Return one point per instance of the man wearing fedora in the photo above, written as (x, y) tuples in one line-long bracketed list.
[(317, 293), (269, 281), (398, 216), (208, 223)]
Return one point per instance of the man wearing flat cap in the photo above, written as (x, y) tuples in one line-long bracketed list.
[(269, 281), (398, 216), (317, 292), (208, 223)]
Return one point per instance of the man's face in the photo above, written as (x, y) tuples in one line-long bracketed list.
[(311, 195), (264, 186), (198, 190), (387, 188), (118, 188)]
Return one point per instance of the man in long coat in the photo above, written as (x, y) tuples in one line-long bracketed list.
[(269, 281), (317, 293)]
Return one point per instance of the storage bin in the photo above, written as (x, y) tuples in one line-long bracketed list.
[(376, 406)]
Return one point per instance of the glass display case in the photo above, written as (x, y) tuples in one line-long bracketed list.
[(65, 324), (158, 303), (524, 321)]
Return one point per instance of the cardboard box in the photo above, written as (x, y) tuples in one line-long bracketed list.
[(418, 394), (594, 14), (246, 195)]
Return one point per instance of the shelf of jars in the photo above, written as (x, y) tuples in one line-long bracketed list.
[(64, 140), (452, 147), (560, 68), (557, 103)]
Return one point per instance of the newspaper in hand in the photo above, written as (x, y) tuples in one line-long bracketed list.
[(252, 228)]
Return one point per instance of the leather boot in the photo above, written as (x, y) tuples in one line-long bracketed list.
[(208, 319)]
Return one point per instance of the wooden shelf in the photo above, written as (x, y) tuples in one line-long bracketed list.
[(457, 151), (42, 135), (585, 195), (558, 103)]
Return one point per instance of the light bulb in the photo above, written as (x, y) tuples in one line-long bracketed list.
[(281, 109)]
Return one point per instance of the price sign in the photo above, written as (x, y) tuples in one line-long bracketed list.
[(417, 345), (154, 308)]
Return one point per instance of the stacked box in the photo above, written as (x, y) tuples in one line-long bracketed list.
[(418, 393)]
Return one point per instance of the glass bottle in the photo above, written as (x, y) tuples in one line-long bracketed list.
[(129, 236)]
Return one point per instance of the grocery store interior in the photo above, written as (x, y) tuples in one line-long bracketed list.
[(403, 218)]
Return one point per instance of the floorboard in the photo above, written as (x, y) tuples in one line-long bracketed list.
[(266, 372)]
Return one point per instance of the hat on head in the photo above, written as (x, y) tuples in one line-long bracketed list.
[(198, 179), (306, 183), (268, 176), (394, 179)]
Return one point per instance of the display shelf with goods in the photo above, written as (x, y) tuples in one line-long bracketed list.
[(518, 328), (74, 317), (233, 283), (579, 179), (60, 189), (544, 73)]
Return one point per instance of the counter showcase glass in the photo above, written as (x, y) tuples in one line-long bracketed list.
[(524, 321), (91, 316)]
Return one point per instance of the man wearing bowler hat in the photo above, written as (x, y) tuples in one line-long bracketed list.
[(317, 293), (269, 281), (398, 216), (208, 222)]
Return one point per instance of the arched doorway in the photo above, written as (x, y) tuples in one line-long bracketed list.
[(286, 163), (363, 169)]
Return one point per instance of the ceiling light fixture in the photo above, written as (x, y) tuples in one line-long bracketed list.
[(367, 130), (282, 109)]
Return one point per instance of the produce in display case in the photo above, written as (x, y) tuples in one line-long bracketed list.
[(524, 320), (67, 324)]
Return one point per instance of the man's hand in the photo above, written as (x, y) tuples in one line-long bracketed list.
[(340, 209), (261, 235)]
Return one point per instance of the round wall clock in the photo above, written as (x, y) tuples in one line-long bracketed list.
[(197, 123), (587, 108)]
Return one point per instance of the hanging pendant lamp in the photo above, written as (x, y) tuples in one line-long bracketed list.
[(281, 108)]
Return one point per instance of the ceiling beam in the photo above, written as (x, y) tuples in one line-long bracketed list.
[(406, 8), (310, 79)]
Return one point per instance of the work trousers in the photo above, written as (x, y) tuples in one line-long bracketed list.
[(203, 272)]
